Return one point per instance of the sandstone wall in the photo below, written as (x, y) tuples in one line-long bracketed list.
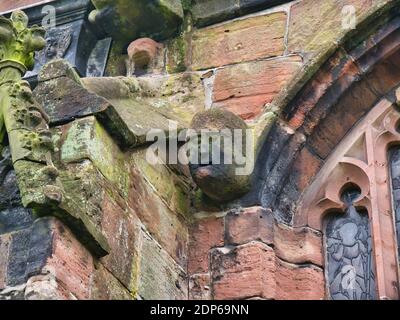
[(243, 56)]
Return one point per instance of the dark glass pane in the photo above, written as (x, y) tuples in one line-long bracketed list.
[(394, 157), (350, 263)]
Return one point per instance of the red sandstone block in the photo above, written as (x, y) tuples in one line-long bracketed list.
[(295, 245), (245, 107), (143, 51), (250, 224), (298, 245), (337, 75), (8, 5), (245, 88), (299, 283), (200, 287), (204, 235), (71, 263), (244, 272), (253, 270), (306, 166), (239, 41), (168, 228), (121, 228)]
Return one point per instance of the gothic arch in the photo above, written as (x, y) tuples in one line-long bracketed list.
[(309, 127), (337, 130), (361, 159)]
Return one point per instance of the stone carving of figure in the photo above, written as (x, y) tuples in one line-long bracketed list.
[(350, 263), (58, 41)]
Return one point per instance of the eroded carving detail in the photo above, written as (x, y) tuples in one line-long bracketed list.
[(58, 40)]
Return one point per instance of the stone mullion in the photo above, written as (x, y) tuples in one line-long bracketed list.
[(383, 136), (374, 215)]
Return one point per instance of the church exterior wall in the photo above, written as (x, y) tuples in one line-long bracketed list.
[(267, 63)]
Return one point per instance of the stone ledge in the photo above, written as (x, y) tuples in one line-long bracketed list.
[(206, 12)]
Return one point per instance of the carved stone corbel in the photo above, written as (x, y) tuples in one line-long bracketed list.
[(215, 171)]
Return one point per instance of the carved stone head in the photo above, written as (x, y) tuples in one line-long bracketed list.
[(220, 180), (58, 40)]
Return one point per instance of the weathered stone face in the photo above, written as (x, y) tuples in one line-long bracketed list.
[(220, 181)]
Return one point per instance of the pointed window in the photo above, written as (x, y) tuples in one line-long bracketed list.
[(355, 202)]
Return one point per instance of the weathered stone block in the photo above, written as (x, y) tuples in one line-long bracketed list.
[(13, 219), (122, 230), (206, 12), (173, 188), (161, 278), (251, 224), (239, 41), (200, 287), (29, 250), (50, 257), (58, 268), (246, 271), (87, 139), (127, 119), (33, 180), (166, 227), (179, 96), (299, 282), (131, 120), (65, 100), (105, 286), (314, 28), (253, 270), (204, 235), (244, 89), (298, 245), (70, 262)]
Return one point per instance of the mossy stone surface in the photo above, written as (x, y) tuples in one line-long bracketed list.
[(87, 139)]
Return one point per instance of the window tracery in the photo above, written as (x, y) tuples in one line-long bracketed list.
[(353, 203)]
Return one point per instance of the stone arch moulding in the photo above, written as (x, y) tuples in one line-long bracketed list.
[(309, 127), (336, 131)]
